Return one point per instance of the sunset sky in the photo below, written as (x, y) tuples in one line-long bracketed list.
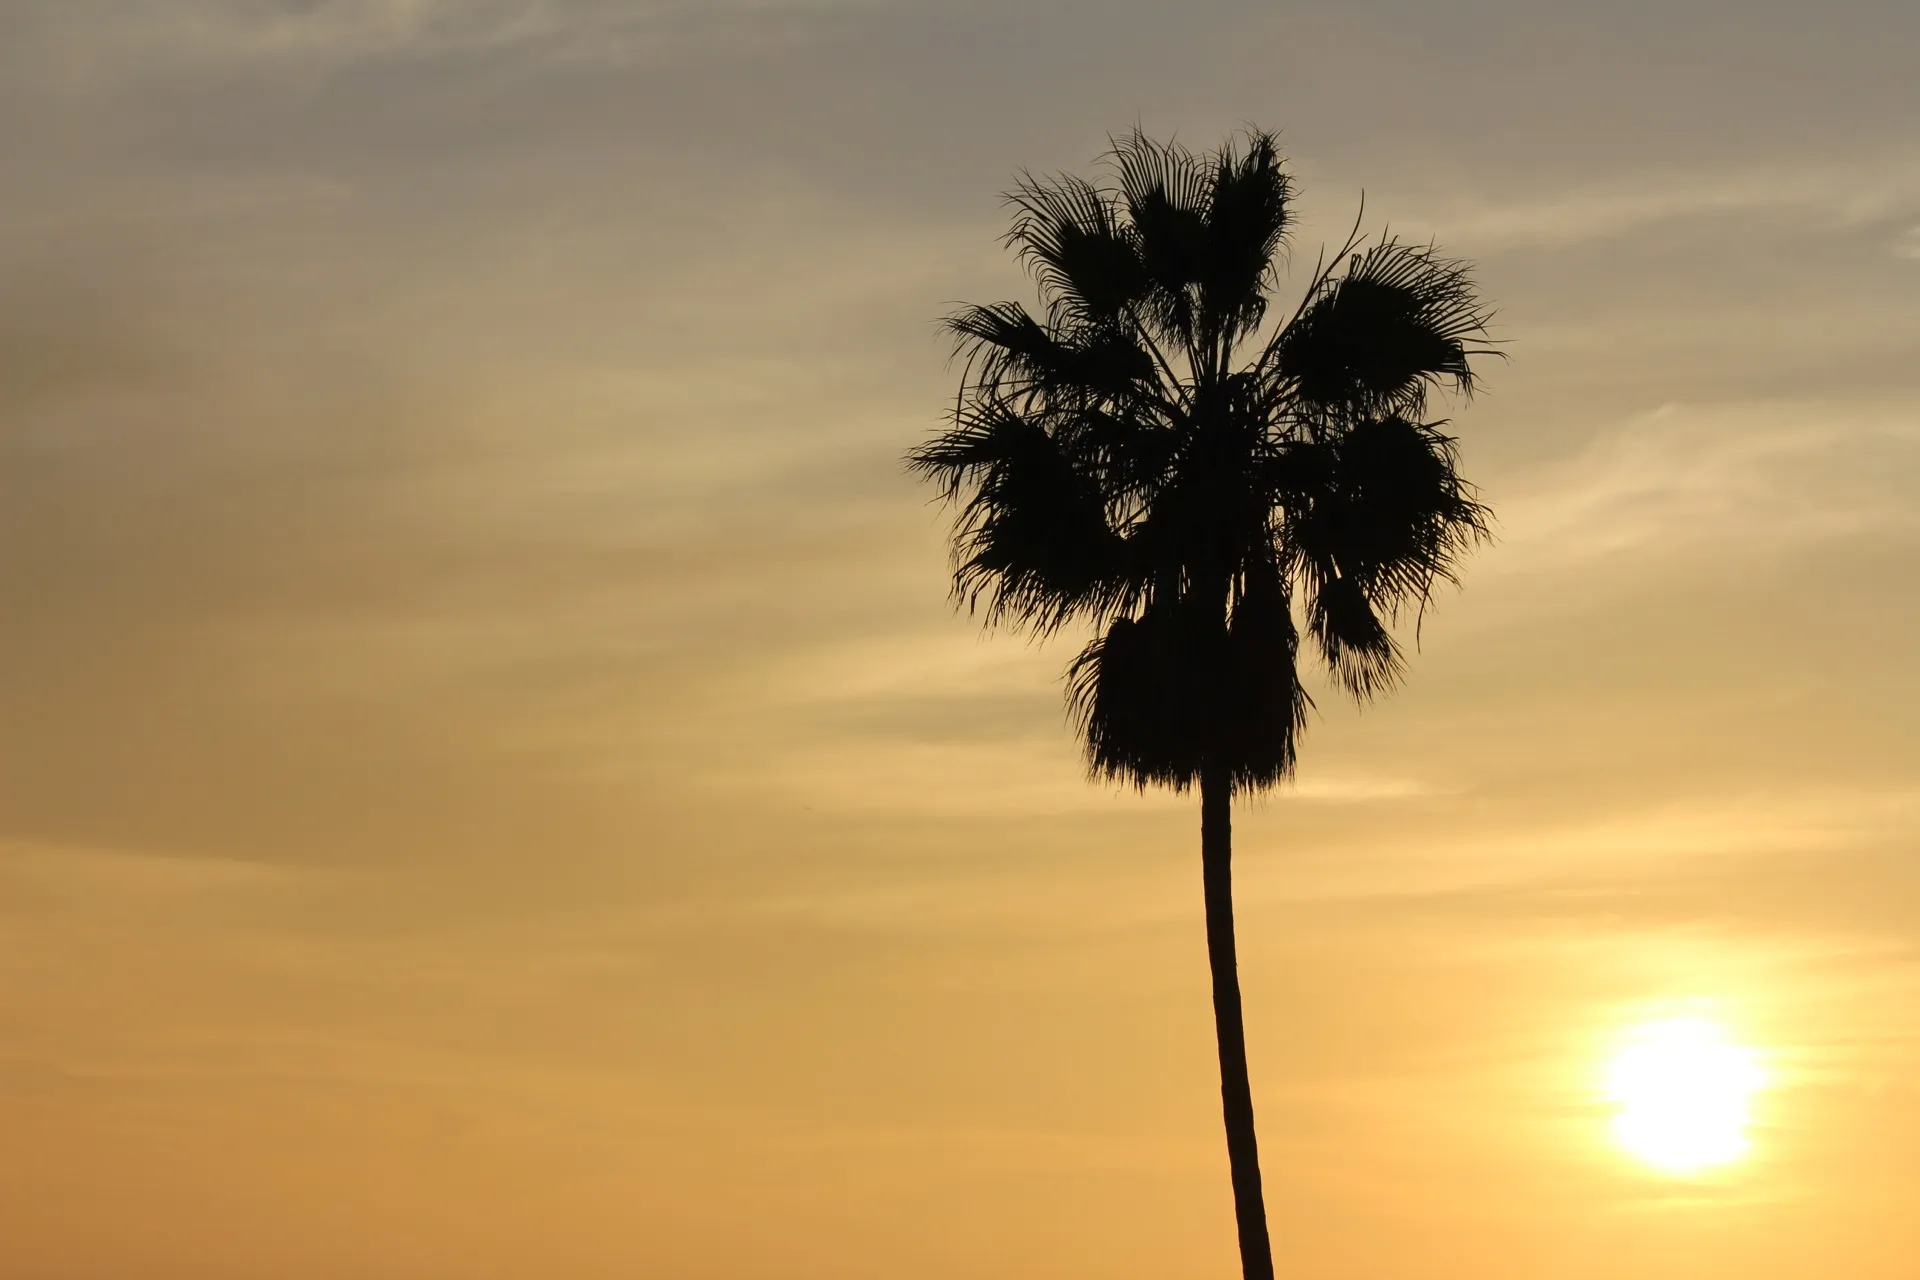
[(492, 786)]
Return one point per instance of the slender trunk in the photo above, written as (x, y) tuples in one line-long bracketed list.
[(1236, 1094)]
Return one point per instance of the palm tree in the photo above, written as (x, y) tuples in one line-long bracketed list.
[(1153, 456)]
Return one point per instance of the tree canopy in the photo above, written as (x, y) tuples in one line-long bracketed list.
[(1159, 454)]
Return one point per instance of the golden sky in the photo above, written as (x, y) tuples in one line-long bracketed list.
[(491, 785)]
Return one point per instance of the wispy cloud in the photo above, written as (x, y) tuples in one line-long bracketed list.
[(1745, 479), (96, 44), (1832, 196)]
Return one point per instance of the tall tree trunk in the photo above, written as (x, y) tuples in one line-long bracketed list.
[(1236, 1094)]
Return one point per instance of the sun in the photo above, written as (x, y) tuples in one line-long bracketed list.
[(1682, 1093)]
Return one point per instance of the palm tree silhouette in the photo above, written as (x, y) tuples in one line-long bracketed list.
[(1155, 457)]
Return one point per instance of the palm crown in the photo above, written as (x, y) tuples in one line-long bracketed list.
[(1155, 454)]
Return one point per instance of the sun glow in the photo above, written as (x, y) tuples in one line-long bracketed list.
[(1682, 1092)]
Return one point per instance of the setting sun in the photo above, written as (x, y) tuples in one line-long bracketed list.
[(1682, 1091)]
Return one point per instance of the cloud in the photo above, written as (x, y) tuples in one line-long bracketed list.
[(143, 881), (1746, 480), (1831, 195), (104, 44)]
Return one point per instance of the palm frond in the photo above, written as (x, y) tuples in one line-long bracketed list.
[(1141, 696), (1166, 190), (1162, 694), (1355, 644), (1033, 543), (1375, 338), (1267, 705), (1375, 516), (1247, 220), (1068, 234), (1008, 352)]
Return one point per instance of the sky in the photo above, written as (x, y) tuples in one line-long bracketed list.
[(492, 785)]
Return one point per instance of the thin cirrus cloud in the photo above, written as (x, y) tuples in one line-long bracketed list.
[(1821, 197), (1731, 479)]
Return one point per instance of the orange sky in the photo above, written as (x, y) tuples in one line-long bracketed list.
[(491, 786)]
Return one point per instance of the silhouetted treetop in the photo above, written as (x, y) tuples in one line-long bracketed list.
[(1155, 454)]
